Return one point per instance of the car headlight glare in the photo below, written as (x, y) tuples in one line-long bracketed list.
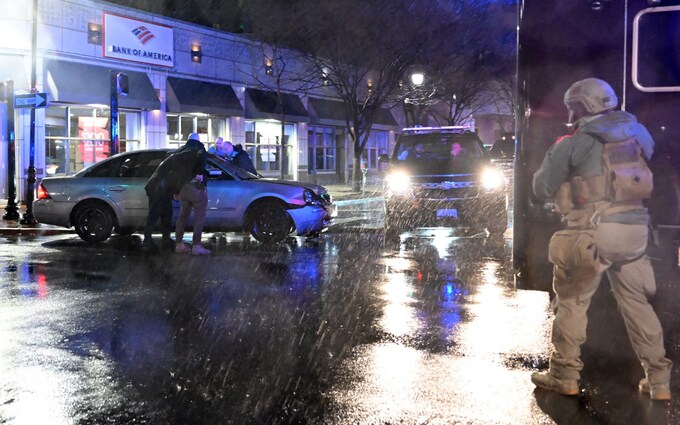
[(492, 179), (398, 182)]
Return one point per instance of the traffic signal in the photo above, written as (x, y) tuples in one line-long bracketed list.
[(122, 84)]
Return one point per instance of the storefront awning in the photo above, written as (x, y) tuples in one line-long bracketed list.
[(327, 112), (79, 83), (385, 118), (332, 112), (185, 95), (262, 104)]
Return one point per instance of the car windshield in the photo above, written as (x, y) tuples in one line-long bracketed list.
[(437, 147), (503, 149), (233, 169)]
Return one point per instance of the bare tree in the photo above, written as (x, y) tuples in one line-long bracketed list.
[(359, 48), (274, 76), (468, 65), (503, 100), (362, 50)]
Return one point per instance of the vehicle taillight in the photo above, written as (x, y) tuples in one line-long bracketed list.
[(42, 193)]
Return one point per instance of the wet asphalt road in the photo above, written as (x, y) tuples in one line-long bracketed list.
[(343, 330)]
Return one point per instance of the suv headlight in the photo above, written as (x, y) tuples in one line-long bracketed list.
[(492, 179), (398, 182)]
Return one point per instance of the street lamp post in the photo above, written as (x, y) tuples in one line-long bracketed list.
[(420, 93), (11, 209), (120, 86), (28, 217), (417, 78)]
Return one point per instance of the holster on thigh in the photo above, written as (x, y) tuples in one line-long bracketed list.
[(574, 254)]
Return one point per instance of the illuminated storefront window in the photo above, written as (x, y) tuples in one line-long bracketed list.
[(263, 143), (208, 128), (77, 137)]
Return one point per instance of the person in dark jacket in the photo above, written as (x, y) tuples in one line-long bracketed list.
[(166, 181), (239, 157), (193, 196)]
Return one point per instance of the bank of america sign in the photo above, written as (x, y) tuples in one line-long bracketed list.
[(137, 41)]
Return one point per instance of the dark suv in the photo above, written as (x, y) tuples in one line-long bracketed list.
[(443, 176)]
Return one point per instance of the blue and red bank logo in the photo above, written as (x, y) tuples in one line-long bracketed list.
[(143, 34), (137, 41)]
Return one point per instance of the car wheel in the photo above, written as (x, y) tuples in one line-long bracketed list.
[(93, 222), (269, 222)]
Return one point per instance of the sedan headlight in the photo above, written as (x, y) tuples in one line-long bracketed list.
[(492, 179), (398, 182), (308, 196)]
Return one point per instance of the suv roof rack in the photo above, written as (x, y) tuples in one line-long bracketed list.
[(453, 129)]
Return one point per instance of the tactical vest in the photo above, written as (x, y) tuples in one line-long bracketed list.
[(625, 183)]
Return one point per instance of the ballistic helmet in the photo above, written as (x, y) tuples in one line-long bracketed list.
[(593, 94), (194, 136)]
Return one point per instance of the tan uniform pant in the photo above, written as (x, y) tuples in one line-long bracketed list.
[(196, 199), (632, 282)]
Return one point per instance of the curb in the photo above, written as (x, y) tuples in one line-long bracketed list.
[(33, 231), (349, 201)]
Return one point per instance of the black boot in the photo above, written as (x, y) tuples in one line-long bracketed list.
[(168, 244), (149, 246)]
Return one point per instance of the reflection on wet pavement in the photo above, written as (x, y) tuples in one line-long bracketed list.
[(347, 329), (447, 327)]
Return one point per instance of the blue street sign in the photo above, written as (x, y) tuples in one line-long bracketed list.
[(33, 100)]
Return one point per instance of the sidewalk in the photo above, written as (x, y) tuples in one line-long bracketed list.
[(15, 228), (339, 192), (344, 192)]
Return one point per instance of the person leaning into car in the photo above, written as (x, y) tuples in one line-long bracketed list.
[(166, 181), (193, 196), (218, 148), (239, 157)]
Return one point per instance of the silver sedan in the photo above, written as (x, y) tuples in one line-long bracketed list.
[(110, 196)]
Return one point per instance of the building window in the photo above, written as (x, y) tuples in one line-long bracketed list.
[(77, 137), (208, 128), (378, 143), (263, 144), (321, 149)]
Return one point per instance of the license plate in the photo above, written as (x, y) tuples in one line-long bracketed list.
[(449, 212)]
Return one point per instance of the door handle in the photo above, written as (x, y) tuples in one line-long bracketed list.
[(116, 189)]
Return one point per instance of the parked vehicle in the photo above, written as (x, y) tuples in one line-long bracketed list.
[(429, 181), (110, 196), (503, 155)]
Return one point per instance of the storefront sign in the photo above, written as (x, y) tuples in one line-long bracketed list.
[(138, 41), (33, 100), (97, 147)]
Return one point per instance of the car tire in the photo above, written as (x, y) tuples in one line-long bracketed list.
[(269, 222), (93, 222)]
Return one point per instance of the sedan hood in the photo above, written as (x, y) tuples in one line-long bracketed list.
[(313, 187)]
